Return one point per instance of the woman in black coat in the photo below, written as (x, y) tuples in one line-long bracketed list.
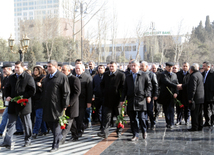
[(37, 104)]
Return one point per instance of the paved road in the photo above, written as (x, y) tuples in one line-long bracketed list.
[(41, 145), (178, 141)]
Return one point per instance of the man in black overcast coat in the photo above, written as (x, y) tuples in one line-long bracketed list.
[(85, 97), (19, 84), (168, 80), (137, 89), (55, 99), (208, 76), (111, 86), (73, 109), (196, 97)]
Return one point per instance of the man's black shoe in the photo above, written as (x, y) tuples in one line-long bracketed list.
[(100, 134), (73, 139), (144, 135), (79, 134), (34, 136), (54, 150), (0, 134), (41, 134), (192, 130), (206, 124), (19, 133), (26, 144), (6, 146)]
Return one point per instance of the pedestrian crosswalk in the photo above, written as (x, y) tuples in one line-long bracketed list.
[(43, 144)]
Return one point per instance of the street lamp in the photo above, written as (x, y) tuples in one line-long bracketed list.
[(81, 12), (24, 44)]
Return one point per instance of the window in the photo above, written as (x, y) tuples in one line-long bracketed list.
[(118, 48), (128, 48), (31, 8), (25, 8), (25, 4), (19, 4), (110, 49), (56, 1), (14, 4), (19, 14), (30, 3), (134, 48), (24, 13), (14, 10), (31, 18), (49, 1), (55, 11), (49, 6), (14, 14), (31, 13), (43, 12), (19, 9)]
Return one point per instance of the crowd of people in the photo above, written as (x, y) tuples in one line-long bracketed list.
[(57, 89)]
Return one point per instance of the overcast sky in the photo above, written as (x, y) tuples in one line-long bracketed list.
[(166, 14)]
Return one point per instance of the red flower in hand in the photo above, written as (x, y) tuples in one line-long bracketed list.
[(63, 127), (181, 106), (25, 100), (24, 104), (20, 101)]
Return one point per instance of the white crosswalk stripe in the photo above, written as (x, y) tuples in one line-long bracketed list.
[(43, 144)]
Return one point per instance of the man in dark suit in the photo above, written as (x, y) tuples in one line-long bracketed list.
[(137, 89), (208, 76), (98, 93), (182, 96), (111, 86), (73, 109), (168, 80), (55, 99), (19, 84), (196, 97), (85, 97), (154, 93), (128, 70)]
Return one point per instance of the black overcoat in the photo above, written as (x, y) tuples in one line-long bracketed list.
[(86, 90), (23, 86), (209, 86), (111, 87), (55, 96), (141, 88), (195, 88), (170, 81), (75, 89)]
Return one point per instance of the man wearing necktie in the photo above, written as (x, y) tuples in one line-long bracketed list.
[(169, 80), (55, 99), (208, 75), (183, 76)]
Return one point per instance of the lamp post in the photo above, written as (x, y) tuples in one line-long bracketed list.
[(81, 12), (152, 27), (24, 44)]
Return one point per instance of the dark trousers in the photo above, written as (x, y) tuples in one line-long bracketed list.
[(150, 113), (74, 130), (80, 119), (168, 110), (68, 128), (157, 108), (136, 116), (197, 118), (99, 111), (107, 114), (209, 113), (11, 128), (57, 133)]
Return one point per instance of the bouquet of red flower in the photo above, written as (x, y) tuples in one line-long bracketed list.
[(63, 120), (176, 100), (120, 118), (20, 100)]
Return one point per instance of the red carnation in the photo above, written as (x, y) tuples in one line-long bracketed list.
[(24, 104), (20, 101), (181, 106), (25, 100), (63, 126), (93, 111)]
